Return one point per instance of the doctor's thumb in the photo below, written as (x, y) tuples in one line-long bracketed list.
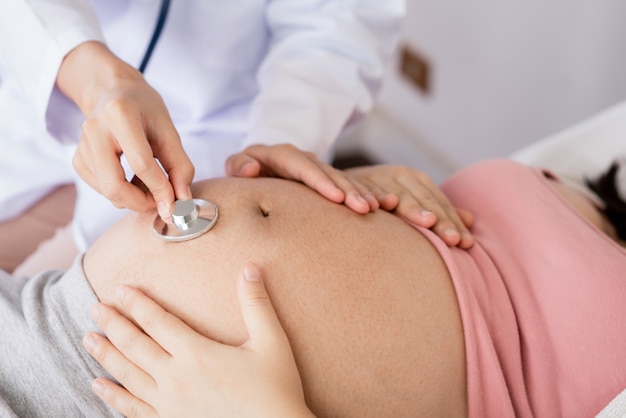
[(242, 165)]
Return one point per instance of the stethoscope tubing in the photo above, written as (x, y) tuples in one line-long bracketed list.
[(165, 5)]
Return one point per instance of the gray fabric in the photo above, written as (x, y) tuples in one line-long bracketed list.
[(44, 371), (615, 409)]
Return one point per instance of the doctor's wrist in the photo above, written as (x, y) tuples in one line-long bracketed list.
[(89, 71)]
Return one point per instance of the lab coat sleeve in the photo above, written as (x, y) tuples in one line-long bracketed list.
[(35, 35), (325, 64)]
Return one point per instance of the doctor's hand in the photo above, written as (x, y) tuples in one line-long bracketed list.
[(172, 371), (124, 115), (287, 161), (414, 196)]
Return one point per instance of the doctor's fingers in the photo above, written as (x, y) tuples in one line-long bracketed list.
[(142, 141), (112, 184), (168, 149), (385, 199), (287, 161), (357, 196), (418, 196), (466, 217), (414, 196), (99, 152)]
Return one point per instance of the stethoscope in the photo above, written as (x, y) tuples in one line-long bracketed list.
[(190, 218), (156, 34)]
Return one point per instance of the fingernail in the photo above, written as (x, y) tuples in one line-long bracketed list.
[(189, 192), (372, 201), (251, 274), (97, 387), (425, 212), (121, 293), (89, 342), (244, 165), (95, 313), (242, 168), (449, 232), (164, 210)]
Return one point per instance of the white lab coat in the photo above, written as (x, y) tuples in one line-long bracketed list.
[(232, 73)]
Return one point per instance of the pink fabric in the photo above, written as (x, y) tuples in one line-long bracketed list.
[(542, 296)]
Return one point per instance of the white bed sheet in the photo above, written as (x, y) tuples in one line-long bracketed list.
[(585, 149)]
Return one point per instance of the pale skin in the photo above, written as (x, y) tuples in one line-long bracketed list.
[(125, 115), (166, 352), (265, 357)]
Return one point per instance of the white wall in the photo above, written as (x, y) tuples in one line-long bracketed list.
[(504, 73)]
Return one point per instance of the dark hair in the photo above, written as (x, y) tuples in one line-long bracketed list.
[(605, 186)]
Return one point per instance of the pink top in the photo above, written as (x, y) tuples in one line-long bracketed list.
[(542, 296)]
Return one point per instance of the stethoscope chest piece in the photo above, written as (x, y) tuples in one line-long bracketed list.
[(190, 219)]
